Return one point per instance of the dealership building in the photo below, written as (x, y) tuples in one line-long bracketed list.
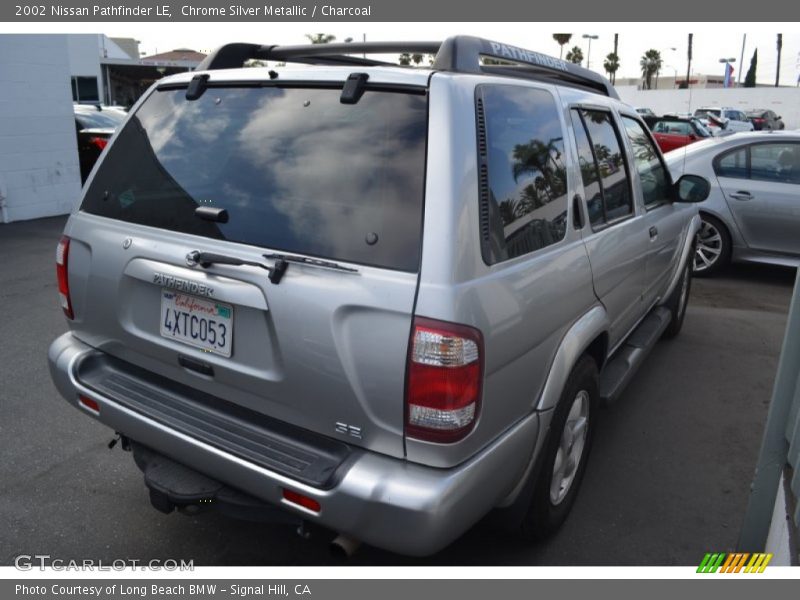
[(41, 76)]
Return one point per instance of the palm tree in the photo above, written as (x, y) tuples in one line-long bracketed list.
[(320, 38), (611, 64), (575, 55), (562, 38), (651, 64)]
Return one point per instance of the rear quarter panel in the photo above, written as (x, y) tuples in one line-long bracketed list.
[(523, 306)]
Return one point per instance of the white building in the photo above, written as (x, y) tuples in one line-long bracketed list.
[(40, 77)]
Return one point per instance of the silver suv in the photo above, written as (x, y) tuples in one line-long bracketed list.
[(385, 300)]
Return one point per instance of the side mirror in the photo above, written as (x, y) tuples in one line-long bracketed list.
[(692, 188)]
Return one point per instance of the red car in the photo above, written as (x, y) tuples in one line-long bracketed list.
[(676, 132)]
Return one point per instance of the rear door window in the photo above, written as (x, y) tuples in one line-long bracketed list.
[(295, 169), (732, 164), (602, 161)]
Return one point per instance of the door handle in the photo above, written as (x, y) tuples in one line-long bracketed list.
[(653, 233), (741, 195)]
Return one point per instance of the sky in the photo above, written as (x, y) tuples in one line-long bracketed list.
[(712, 41)]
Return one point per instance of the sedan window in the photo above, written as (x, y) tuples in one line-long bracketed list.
[(775, 162), (733, 164)]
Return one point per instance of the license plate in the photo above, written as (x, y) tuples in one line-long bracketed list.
[(198, 322)]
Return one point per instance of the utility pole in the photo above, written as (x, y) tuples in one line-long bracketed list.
[(689, 63), (614, 74), (778, 68), (741, 61)]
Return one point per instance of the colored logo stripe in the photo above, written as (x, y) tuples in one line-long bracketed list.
[(734, 562)]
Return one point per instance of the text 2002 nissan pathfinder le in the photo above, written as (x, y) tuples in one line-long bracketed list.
[(385, 300)]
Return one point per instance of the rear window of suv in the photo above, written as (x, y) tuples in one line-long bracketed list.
[(296, 170)]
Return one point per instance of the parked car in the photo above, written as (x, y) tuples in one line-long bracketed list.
[(676, 132), (723, 120), (752, 211), (645, 112), (94, 125), (379, 299), (764, 119)]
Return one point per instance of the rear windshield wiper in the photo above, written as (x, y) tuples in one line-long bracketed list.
[(206, 259), (314, 262)]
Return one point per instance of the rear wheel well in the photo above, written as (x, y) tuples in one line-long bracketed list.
[(716, 218), (597, 350)]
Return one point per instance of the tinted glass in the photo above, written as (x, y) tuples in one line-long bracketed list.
[(775, 162), (733, 164), (296, 169), (589, 174), (610, 163), (527, 177), (653, 176)]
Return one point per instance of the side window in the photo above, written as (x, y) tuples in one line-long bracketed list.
[(602, 161), (589, 173), (523, 172), (733, 164), (775, 162), (652, 174)]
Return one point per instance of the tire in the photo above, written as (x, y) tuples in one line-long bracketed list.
[(678, 300), (555, 490), (713, 247)]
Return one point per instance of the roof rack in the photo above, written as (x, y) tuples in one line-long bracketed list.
[(459, 54)]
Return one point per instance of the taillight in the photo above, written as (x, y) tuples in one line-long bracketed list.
[(98, 142), (445, 372), (62, 272)]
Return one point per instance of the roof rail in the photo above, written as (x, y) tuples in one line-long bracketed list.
[(458, 54)]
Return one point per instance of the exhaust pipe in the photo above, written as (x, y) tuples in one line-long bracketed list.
[(344, 546)]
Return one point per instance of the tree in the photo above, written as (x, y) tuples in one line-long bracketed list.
[(750, 78), (778, 68), (404, 59), (320, 38), (562, 38), (611, 64), (651, 64), (575, 55)]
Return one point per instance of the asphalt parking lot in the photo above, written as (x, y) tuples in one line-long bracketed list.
[(667, 480)]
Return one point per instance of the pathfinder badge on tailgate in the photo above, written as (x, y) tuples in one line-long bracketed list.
[(183, 285)]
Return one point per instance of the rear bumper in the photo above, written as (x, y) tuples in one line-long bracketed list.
[(386, 502)]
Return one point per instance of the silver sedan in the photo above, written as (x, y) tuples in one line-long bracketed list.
[(753, 211)]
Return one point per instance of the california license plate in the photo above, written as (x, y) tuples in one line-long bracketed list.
[(196, 321)]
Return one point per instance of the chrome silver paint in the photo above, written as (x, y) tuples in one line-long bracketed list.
[(327, 351), (384, 501)]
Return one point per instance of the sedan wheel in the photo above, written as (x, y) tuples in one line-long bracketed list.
[(713, 246)]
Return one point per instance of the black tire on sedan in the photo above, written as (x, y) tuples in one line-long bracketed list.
[(713, 246)]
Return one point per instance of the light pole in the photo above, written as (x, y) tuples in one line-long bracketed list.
[(586, 36), (726, 61)]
